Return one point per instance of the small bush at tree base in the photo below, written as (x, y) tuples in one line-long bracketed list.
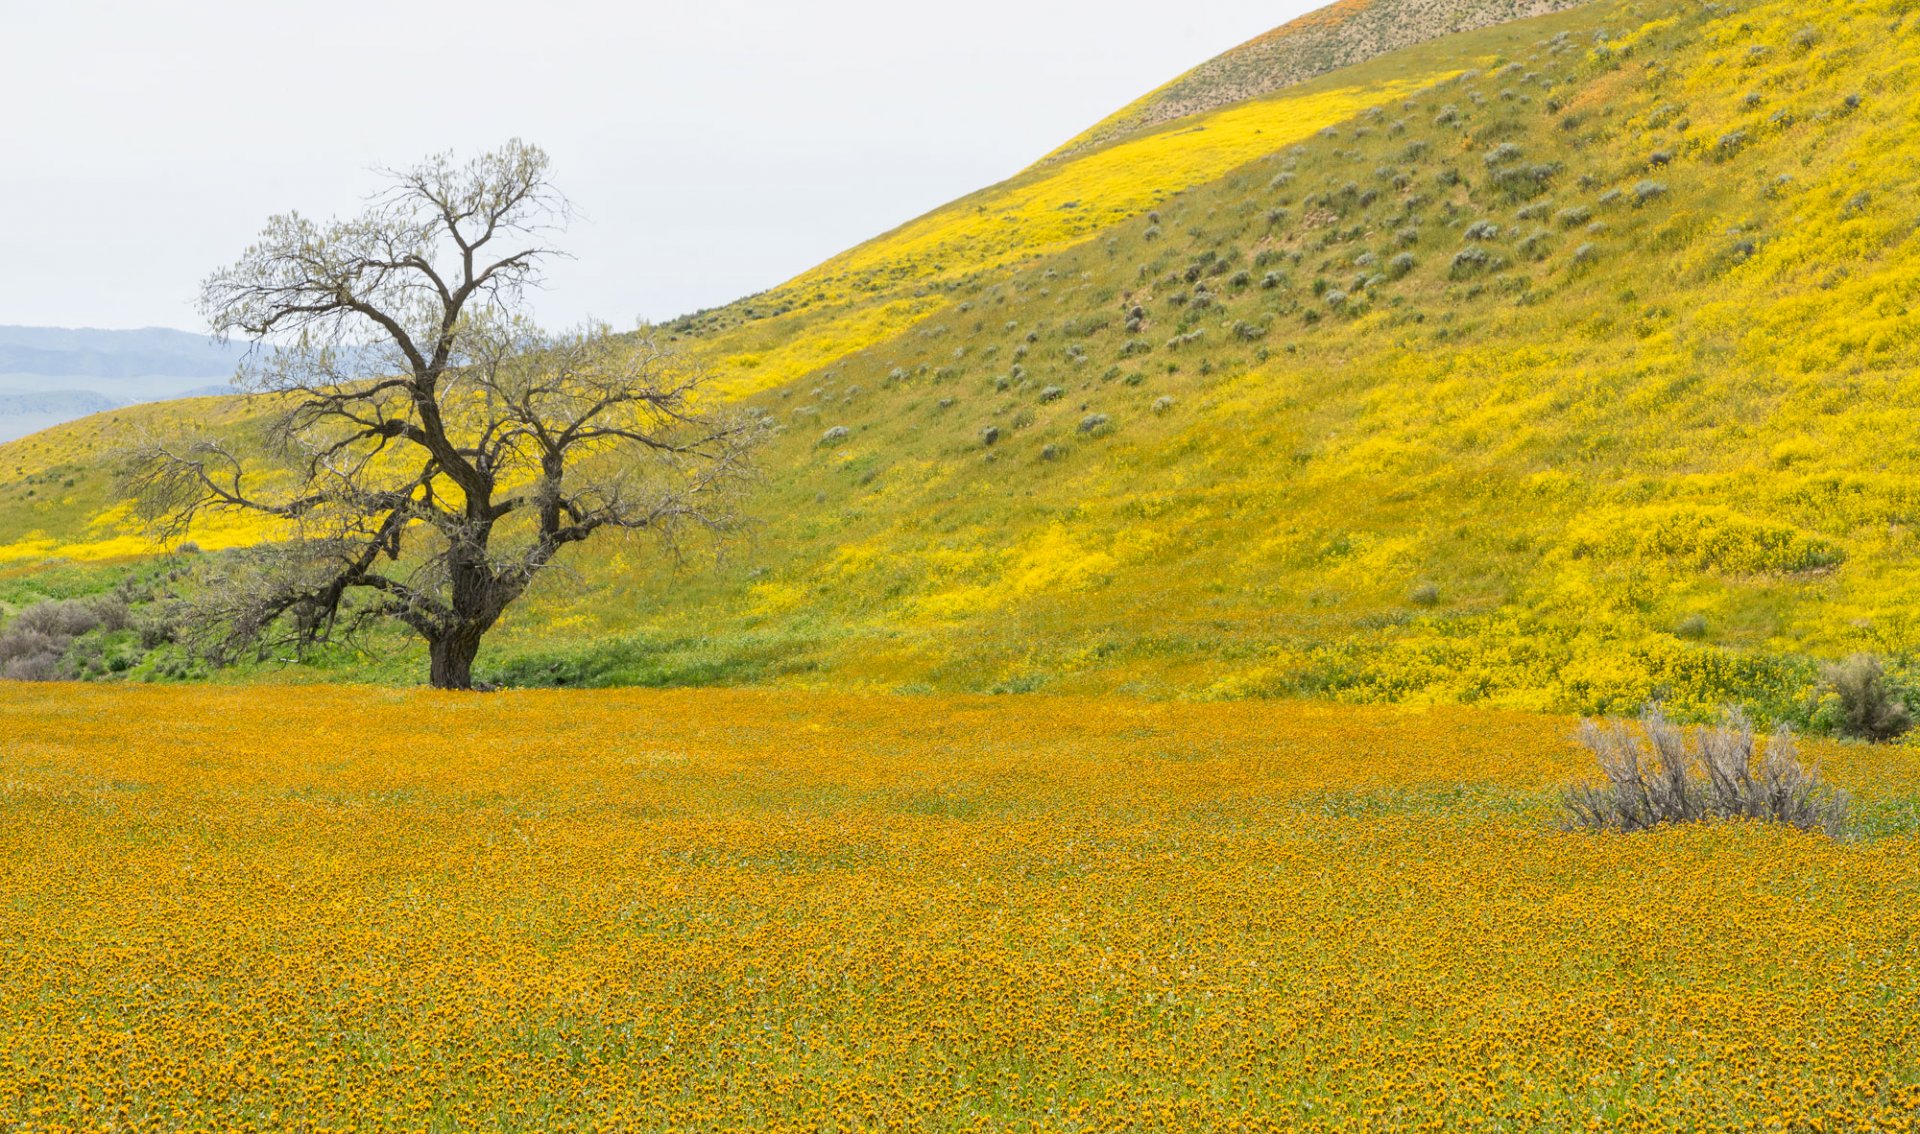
[(1867, 709), (1659, 774), (35, 646)]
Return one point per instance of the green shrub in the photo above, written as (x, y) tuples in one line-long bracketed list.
[(1860, 703)]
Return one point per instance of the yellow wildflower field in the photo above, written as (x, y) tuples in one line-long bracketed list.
[(340, 908)]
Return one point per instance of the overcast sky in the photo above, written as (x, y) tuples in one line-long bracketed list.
[(714, 147)]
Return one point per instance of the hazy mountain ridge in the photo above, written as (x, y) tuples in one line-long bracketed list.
[(77, 402), (153, 352), (53, 374)]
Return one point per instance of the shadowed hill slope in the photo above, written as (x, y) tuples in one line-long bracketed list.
[(1563, 369), (1339, 35)]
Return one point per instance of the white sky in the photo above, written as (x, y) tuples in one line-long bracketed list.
[(714, 147)]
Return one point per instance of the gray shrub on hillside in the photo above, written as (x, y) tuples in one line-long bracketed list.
[(835, 435), (1647, 191), (1400, 265), (1469, 261), (1660, 773), (1095, 423), (1482, 230), (1051, 393)]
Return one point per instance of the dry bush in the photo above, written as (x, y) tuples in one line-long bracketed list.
[(29, 655), (34, 645), (1661, 773)]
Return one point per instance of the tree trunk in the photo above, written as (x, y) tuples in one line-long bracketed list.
[(452, 656)]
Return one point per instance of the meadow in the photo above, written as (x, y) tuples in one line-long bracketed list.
[(348, 908)]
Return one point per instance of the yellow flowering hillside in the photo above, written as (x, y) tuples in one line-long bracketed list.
[(1560, 365), (346, 909)]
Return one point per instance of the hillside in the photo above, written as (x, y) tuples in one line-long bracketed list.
[(1555, 364), (1340, 35)]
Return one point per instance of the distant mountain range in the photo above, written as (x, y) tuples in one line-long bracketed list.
[(53, 374)]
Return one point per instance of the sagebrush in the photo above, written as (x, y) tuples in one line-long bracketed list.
[(1660, 773)]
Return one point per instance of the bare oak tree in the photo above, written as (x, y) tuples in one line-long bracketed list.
[(442, 451)]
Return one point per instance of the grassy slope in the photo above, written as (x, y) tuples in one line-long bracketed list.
[(1514, 486)]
